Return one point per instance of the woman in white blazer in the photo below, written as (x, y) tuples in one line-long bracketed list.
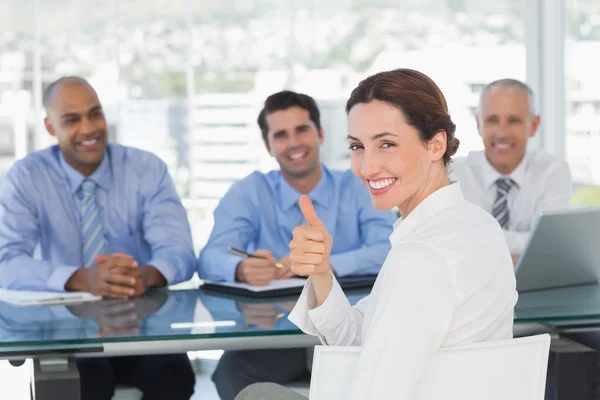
[(448, 279)]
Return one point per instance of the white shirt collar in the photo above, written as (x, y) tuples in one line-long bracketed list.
[(491, 175), (433, 204)]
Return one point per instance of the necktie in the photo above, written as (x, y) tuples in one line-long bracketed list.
[(500, 209), (92, 229)]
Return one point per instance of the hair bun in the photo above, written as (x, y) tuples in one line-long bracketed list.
[(453, 146)]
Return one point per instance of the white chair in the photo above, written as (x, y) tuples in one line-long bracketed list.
[(509, 369)]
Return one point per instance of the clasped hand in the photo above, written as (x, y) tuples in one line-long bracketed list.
[(114, 275)]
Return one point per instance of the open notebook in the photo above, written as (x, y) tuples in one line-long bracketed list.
[(274, 288), (283, 287), (40, 298)]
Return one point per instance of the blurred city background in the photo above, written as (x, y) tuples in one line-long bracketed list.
[(185, 79)]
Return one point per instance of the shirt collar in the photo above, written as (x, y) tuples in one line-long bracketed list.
[(102, 176), (518, 175), (432, 205), (319, 195), (490, 175)]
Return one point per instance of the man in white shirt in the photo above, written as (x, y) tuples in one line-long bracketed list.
[(512, 183)]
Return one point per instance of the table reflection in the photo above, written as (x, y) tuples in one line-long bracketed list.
[(159, 313)]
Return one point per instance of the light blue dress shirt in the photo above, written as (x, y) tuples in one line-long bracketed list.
[(261, 212), (142, 216)]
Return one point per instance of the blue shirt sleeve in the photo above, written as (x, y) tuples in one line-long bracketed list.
[(375, 229), (20, 233), (167, 229), (235, 225)]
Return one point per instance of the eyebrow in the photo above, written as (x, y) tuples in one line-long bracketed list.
[(510, 116), (374, 137), (70, 115), (91, 110), (297, 127)]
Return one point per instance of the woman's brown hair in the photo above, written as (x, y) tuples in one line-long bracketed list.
[(417, 97)]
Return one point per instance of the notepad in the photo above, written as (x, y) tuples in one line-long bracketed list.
[(275, 285), (279, 287), (39, 298), (284, 287)]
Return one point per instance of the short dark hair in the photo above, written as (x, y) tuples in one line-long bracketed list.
[(70, 80), (417, 96), (284, 100)]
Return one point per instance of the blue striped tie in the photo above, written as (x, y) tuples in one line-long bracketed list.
[(500, 208), (92, 230)]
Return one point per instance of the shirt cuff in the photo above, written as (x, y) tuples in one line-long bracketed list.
[(332, 312), (60, 276), (229, 267), (222, 270), (299, 315), (166, 269), (318, 321)]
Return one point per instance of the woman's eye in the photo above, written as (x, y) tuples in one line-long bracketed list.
[(354, 147)]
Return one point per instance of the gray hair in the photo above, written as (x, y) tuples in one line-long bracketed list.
[(508, 84)]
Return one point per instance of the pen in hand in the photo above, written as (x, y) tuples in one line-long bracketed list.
[(246, 255)]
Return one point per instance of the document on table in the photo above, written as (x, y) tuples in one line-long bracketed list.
[(40, 298), (277, 284)]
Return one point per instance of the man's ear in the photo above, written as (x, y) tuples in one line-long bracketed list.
[(268, 147), (49, 127), (321, 135), (534, 126)]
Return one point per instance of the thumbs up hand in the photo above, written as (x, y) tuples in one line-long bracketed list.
[(311, 246)]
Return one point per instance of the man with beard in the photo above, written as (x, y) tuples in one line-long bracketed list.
[(107, 220), (258, 215)]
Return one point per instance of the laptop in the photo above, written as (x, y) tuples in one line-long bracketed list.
[(563, 249)]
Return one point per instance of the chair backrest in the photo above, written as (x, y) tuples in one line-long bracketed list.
[(508, 369)]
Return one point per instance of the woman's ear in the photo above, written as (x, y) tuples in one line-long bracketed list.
[(438, 144)]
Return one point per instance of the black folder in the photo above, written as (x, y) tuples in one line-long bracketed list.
[(346, 283)]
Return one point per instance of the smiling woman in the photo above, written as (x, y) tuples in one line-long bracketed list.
[(404, 124), (449, 271)]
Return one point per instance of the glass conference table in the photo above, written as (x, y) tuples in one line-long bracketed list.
[(177, 321)]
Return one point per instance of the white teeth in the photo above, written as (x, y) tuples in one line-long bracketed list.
[(502, 145), (89, 142), (382, 183), (297, 156)]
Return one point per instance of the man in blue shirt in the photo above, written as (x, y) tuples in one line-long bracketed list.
[(259, 213), (107, 220)]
